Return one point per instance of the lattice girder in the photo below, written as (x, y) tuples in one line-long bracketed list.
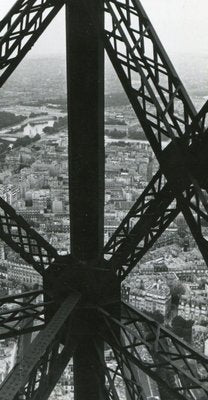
[(156, 208), (121, 379), (22, 313), (20, 29), (35, 376), (24, 240), (158, 352), (151, 78), (156, 93), (132, 9)]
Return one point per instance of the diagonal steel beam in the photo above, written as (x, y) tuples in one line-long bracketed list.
[(155, 92), (133, 9), (156, 97), (155, 209), (120, 374), (21, 28), (150, 80), (17, 312), (158, 352), (151, 214), (37, 374), (24, 240)]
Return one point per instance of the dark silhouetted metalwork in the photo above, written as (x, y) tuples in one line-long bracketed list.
[(79, 323)]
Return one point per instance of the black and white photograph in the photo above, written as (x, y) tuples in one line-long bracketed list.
[(103, 200)]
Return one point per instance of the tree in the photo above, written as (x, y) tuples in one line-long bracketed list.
[(182, 328), (176, 290), (204, 323), (49, 129), (182, 231), (36, 286), (9, 119), (158, 317), (25, 288), (116, 134), (202, 283)]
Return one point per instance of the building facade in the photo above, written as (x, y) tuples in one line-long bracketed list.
[(193, 308), (153, 297)]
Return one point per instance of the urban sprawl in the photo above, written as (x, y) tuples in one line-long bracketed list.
[(170, 283)]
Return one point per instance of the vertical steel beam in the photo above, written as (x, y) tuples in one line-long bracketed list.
[(85, 73), (86, 128), (89, 378)]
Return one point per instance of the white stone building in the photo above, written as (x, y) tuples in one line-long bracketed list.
[(152, 297), (194, 308)]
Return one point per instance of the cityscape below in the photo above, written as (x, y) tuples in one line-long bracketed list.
[(170, 283)]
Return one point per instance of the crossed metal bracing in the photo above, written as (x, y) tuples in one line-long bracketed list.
[(156, 94), (20, 29), (164, 109), (19, 310), (152, 213), (151, 348), (18, 234), (46, 360)]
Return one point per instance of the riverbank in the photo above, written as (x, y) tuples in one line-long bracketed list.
[(31, 126)]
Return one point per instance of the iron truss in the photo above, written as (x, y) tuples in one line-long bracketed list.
[(153, 212), (156, 94), (146, 345), (18, 234), (22, 313), (20, 29), (51, 350)]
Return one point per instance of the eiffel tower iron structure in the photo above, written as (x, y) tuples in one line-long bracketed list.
[(81, 307)]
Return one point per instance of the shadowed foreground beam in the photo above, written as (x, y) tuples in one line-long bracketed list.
[(155, 350), (47, 356), (85, 70)]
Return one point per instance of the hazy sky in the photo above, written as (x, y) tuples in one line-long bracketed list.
[(181, 25), (52, 40)]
